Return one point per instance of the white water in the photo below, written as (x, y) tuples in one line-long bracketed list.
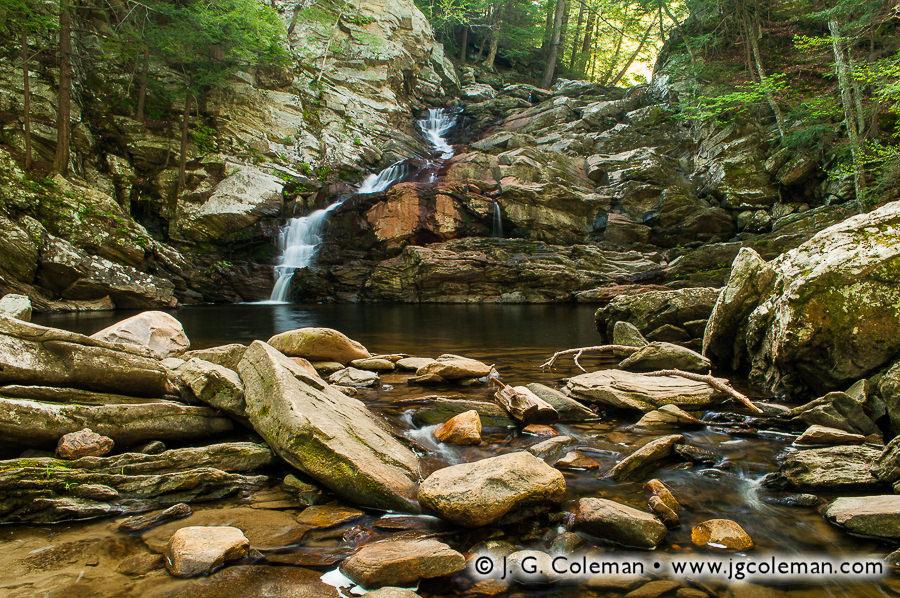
[(300, 239), (498, 221)]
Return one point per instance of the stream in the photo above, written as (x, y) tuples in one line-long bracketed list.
[(516, 338)]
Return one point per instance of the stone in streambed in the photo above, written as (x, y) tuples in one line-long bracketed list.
[(156, 330), (577, 461), (833, 467), (662, 492), (194, 551), (836, 410), (324, 516), (482, 492), (453, 367), (140, 523), (226, 356), (401, 562), (439, 409), (569, 410), (666, 514), (319, 344), (721, 535), (825, 435), (464, 428), (83, 443), (354, 378), (869, 516), (215, 385), (628, 335), (666, 356), (392, 592), (667, 416), (307, 365), (414, 363), (375, 364), (629, 390), (525, 406), (327, 435), (635, 464), (550, 447), (16, 306), (539, 430), (618, 523)]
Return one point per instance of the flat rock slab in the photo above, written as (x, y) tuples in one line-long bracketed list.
[(638, 462), (319, 516), (482, 492), (193, 551), (327, 435), (823, 435), (401, 562), (869, 516), (618, 523), (834, 467), (414, 363), (266, 530), (629, 390)]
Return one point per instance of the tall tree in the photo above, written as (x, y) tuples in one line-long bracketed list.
[(64, 97), (553, 51)]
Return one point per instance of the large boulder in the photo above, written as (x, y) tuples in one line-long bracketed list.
[(319, 344), (483, 492), (831, 468), (401, 562), (653, 309), (832, 313), (869, 516), (628, 390), (156, 330), (325, 434)]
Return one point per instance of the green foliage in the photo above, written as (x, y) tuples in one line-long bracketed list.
[(726, 106), (205, 139)]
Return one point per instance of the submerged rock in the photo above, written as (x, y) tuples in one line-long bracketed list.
[(464, 428), (194, 551), (401, 562), (83, 443), (156, 330), (482, 492), (551, 447), (319, 344), (627, 390), (438, 409), (327, 435), (613, 521), (662, 492), (721, 535), (869, 516), (16, 306)]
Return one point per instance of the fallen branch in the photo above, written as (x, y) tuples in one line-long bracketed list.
[(580, 350), (717, 383)]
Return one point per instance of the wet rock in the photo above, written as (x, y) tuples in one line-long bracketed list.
[(648, 311), (887, 466), (869, 516), (375, 364), (661, 491), (721, 535), (836, 410), (194, 551), (83, 443), (330, 437), (662, 356), (525, 406), (31, 354), (655, 589), (482, 492), (568, 409), (628, 390), (140, 564), (326, 368), (401, 562), (413, 363), (306, 494), (16, 306), (323, 516), (215, 385), (140, 523), (439, 409), (667, 416), (464, 428), (249, 580), (539, 430), (618, 523), (665, 513), (576, 460), (638, 462), (133, 482), (567, 543), (156, 330), (319, 344), (354, 378), (824, 435), (627, 334), (836, 467), (392, 592), (265, 529), (453, 367), (530, 567), (550, 447), (794, 500), (696, 454)]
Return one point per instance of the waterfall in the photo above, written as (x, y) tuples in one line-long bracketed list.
[(300, 239), (497, 227)]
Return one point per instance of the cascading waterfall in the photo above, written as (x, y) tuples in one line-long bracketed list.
[(497, 228), (300, 239)]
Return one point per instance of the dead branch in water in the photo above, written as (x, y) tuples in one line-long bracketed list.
[(717, 383), (580, 350)]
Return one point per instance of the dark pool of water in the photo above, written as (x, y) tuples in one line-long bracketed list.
[(517, 339)]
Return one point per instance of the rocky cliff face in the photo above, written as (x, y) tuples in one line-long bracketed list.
[(269, 144)]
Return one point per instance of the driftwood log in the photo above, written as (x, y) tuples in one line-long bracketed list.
[(525, 406)]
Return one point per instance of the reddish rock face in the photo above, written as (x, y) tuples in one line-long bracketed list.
[(83, 443)]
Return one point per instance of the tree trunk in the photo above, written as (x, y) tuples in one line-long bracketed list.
[(586, 44), (552, 55), (684, 36), (614, 61), (182, 162), (549, 6), (577, 37), (464, 45), (850, 118), (754, 47), (27, 108), (64, 108), (634, 54), (495, 37), (142, 90)]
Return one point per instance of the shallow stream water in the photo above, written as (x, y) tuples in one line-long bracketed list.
[(516, 339)]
